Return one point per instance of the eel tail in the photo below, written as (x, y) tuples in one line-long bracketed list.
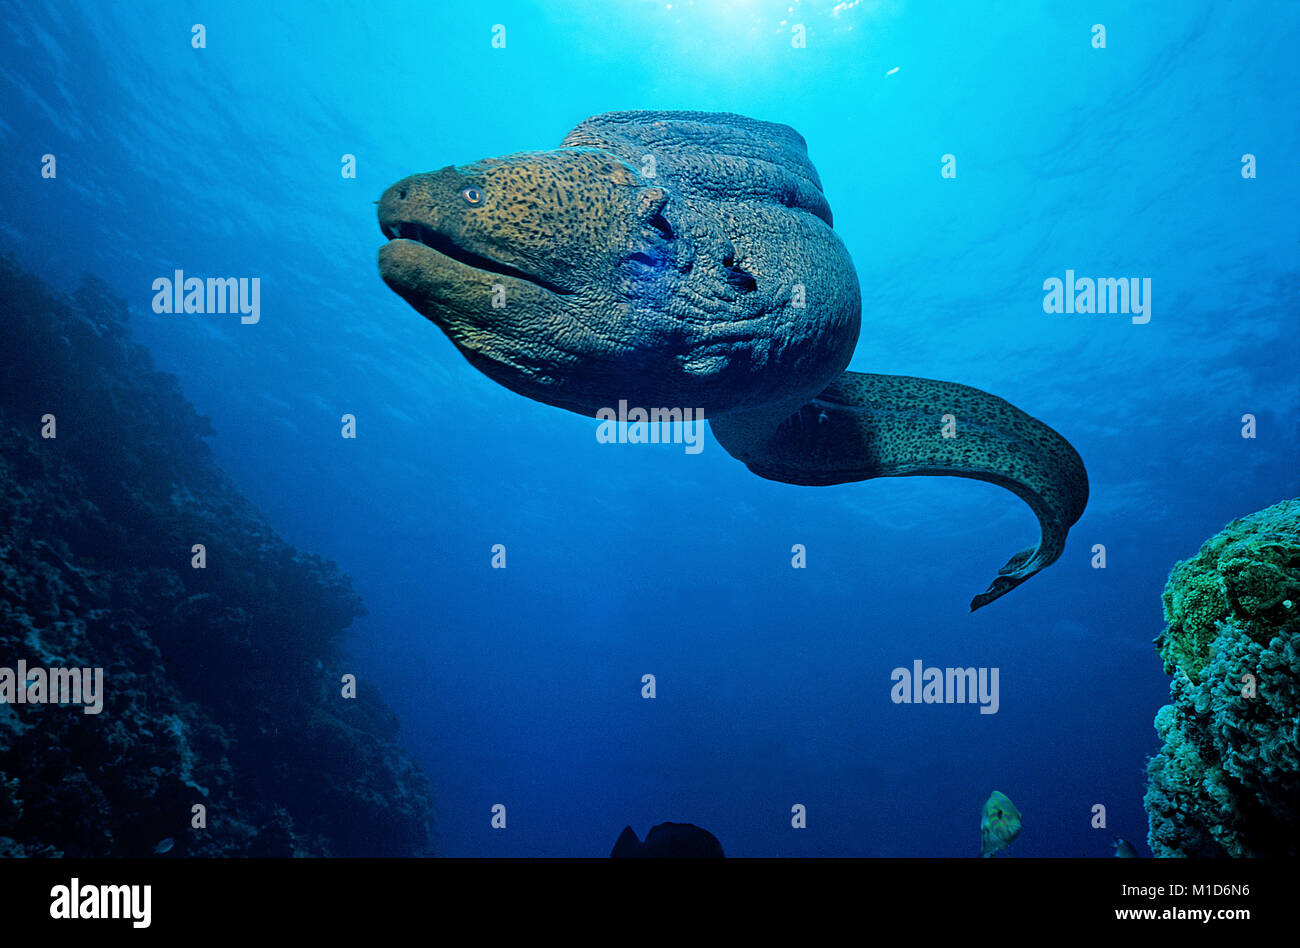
[(864, 426)]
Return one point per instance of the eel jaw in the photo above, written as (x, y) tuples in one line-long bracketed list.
[(517, 346), (442, 250)]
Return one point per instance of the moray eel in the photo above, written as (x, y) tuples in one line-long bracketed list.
[(675, 259)]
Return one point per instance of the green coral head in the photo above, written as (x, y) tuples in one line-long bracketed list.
[(1243, 581)]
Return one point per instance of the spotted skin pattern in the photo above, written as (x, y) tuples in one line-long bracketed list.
[(687, 259), (535, 207), (864, 426)]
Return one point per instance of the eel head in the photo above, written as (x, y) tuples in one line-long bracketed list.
[(534, 265)]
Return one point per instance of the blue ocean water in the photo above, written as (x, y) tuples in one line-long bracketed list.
[(522, 686)]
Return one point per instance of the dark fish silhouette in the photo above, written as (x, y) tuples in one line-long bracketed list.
[(668, 841)]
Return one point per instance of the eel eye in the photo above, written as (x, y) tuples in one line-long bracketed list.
[(472, 196)]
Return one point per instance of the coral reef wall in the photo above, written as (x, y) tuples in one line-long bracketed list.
[(222, 684), (1227, 781)]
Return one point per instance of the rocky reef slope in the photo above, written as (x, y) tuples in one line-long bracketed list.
[(221, 685), (1227, 781)]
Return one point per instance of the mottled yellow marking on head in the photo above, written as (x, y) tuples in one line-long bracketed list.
[(538, 204)]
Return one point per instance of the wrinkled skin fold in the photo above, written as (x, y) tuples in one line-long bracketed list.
[(688, 259)]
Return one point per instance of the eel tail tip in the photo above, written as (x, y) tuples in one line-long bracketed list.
[(1000, 586)]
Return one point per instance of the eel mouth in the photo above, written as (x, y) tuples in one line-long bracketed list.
[(444, 245)]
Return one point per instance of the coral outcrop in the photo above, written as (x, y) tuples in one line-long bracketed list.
[(221, 684), (1227, 780)]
